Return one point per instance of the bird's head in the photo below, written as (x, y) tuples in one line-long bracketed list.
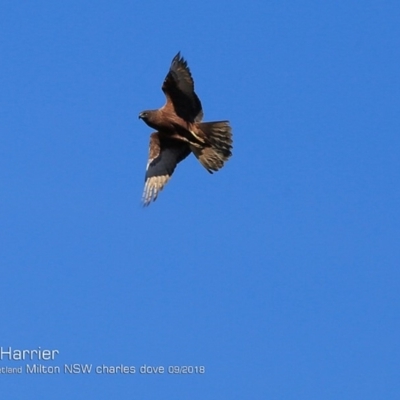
[(149, 117), (144, 115)]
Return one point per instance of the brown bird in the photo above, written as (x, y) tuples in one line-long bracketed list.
[(181, 132)]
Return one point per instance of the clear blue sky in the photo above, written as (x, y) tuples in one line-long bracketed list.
[(279, 274)]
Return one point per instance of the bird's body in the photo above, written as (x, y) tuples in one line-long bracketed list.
[(180, 132)]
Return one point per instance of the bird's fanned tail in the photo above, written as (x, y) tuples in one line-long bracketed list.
[(218, 136)]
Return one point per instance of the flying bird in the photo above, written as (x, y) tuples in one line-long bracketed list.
[(179, 132)]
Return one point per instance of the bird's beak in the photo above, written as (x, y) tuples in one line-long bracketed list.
[(141, 115)]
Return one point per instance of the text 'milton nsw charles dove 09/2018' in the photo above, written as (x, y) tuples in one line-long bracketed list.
[(179, 132)]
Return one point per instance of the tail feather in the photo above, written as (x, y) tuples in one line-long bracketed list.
[(218, 136)]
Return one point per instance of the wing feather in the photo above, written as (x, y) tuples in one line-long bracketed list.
[(164, 155), (178, 88)]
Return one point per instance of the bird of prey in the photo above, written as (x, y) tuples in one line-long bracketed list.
[(179, 132)]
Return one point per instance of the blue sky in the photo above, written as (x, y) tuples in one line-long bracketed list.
[(279, 274)]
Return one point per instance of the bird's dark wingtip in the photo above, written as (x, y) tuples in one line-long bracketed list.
[(178, 59)]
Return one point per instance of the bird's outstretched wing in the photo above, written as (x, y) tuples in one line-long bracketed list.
[(164, 155), (178, 87)]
